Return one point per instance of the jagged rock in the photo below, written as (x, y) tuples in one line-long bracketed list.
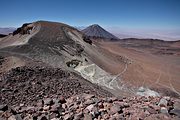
[(175, 112), (56, 101), (25, 29), (69, 116), (15, 117), (87, 117), (64, 106), (151, 110), (90, 107), (89, 101), (177, 105), (48, 101), (106, 116), (88, 96), (87, 39), (126, 104), (42, 118), (46, 108), (167, 98), (29, 118), (62, 100), (40, 103), (78, 116), (12, 117), (3, 107), (100, 105), (18, 117), (115, 109), (164, 110)]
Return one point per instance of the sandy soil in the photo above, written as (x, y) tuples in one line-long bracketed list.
[(147, 69), (11, 62)]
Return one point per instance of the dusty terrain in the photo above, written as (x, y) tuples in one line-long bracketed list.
[(151, 65)]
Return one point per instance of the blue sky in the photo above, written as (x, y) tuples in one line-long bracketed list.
[(130, 14)]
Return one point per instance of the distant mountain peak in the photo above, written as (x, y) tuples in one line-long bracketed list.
[(96, 30), (95, 25)]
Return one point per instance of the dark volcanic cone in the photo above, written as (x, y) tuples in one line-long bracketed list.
[(97, 31)]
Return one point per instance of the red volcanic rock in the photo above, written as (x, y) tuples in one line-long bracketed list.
[(151, 110), (106, 110), (37, 82), (115, 109), (25, 29), (62, 100)]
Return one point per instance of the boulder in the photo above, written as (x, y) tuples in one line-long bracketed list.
[(62, 100), (175, 112), (164, 110), (115, 109), (163, 102), (3, 107), (87, 116)]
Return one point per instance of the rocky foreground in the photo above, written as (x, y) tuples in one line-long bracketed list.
[(29, 84), (45, 93), (88, 107)]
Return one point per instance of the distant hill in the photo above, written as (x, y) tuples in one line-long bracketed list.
[(97, 31), (6, 31)]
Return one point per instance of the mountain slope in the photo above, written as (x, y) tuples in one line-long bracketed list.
[(61, 46), (97, 31)]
